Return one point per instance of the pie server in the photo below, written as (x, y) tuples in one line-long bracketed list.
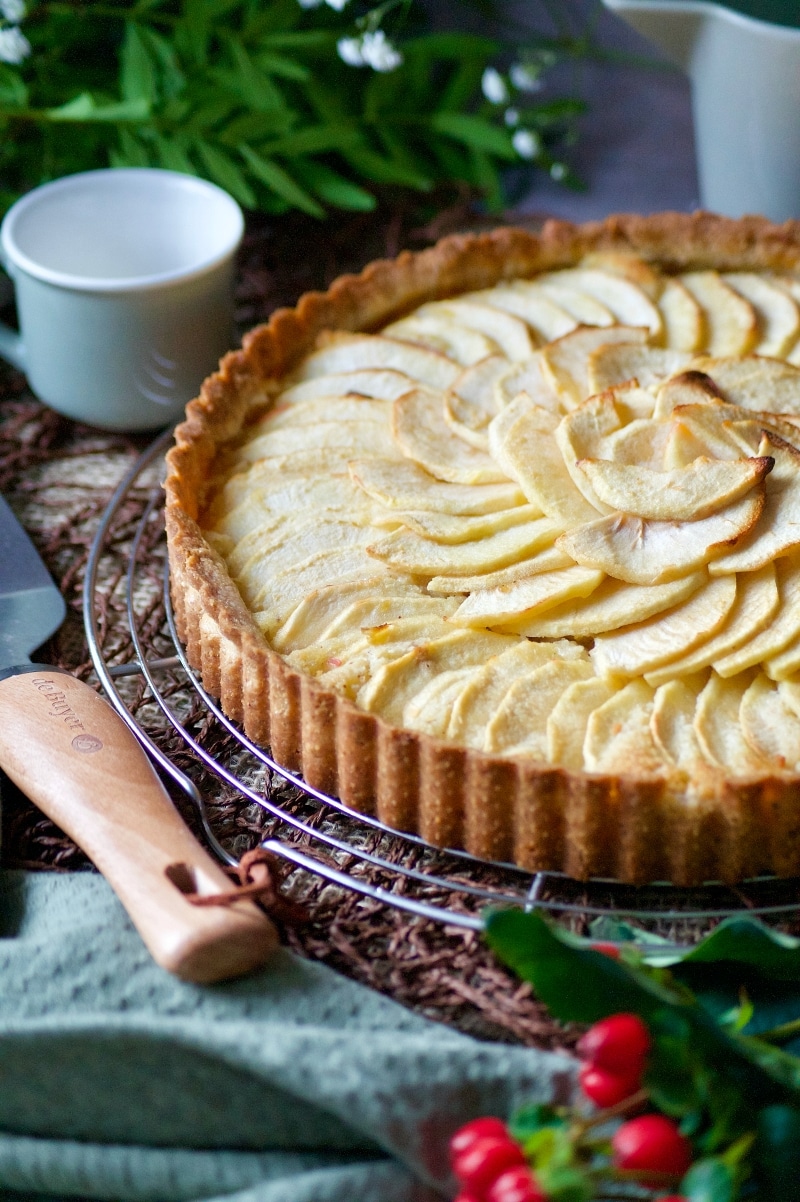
[(67, 749)]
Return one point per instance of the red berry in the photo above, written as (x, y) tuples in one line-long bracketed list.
[(467, 1198), (608, 949), (478, 1129), (652, 1143), (484, 1161), (605, 1088), (516, 1185), (619, 1044)]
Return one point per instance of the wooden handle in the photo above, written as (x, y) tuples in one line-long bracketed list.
[(67, 749)]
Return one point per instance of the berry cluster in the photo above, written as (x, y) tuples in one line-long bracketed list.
[(491, 1166), (649, 1149)]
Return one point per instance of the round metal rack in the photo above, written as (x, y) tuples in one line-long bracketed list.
[(203, 752)]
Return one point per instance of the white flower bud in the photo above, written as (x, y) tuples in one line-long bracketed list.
[(525, 79), (12, 10), (493, 86), (337, 4), (526, 143), (309, 3), (511, 117), (349, 51), (379, 53), (14, 46), (558, 170)]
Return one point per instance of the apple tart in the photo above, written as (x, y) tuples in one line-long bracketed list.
[(501, 542)]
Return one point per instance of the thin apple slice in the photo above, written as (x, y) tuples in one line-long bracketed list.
[(618, 737), (314, 615), (612, 605), (422, 434), (530, 378), (642, 441), (629, 303), (453, 528), (258, 560), (546, 560), (731, 322), (601, 428), (547, 319), (327, 493), (405, 551), (684, 323), (647, 552), (586, 310), (345, 664), (684, 494), (718, 730), (357, 437), (770, 726), (373, 612), (275, 601), (566, 360), (672, 723), (778, 531), (754, 382), (382, 383), (781, 631), (755, 606), (429, 711), (616, 363), (510, 334), (472, 401), (628, 266), (790, 692), (341, 352), (690, 387), (401, 484), (396, 683), (514, 603), (638, 649), (569, 718), (484, 692), (519, 725), (445, 335), (777, 312), (343, 409), (529, 450)]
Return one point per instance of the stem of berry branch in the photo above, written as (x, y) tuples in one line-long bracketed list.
[(626, 1106)]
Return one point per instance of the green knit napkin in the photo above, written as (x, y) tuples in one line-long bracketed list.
[(118, 1081)]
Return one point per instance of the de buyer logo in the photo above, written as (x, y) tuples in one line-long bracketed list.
[(59, 707)]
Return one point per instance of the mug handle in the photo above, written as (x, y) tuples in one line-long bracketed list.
[(11, 346)]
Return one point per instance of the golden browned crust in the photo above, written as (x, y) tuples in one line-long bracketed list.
[(497, 808)]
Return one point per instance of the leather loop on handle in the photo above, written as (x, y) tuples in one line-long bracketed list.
[(67, 749)]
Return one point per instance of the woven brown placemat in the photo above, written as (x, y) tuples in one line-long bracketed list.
[(58, 476)]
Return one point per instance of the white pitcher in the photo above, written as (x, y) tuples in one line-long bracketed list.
[(745, 76)]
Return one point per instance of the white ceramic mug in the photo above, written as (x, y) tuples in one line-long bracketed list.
[(124, 289)]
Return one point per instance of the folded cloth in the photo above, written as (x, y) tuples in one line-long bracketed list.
[(118, 1081)]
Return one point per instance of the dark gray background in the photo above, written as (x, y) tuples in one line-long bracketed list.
[(636, 149)]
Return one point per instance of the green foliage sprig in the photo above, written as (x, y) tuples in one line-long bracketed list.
[(724, 1021), (288, 104)]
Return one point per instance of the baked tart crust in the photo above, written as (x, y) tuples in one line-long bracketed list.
[(634, 825)]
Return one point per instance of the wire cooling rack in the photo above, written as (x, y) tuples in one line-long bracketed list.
[(138, 656)]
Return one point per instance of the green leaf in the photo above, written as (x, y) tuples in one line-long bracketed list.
[(334, 188), (777, 1152), (77, 109), (709, 1180), (173, 156), (137, 75), (384, 171), (246, 80), (131, 152), (529, 1119), (224, 171), (475, 132), (278, 64), (748, 941), (13, 92), (314, 139), (537, 954), (280, 182), (566, 1185)]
